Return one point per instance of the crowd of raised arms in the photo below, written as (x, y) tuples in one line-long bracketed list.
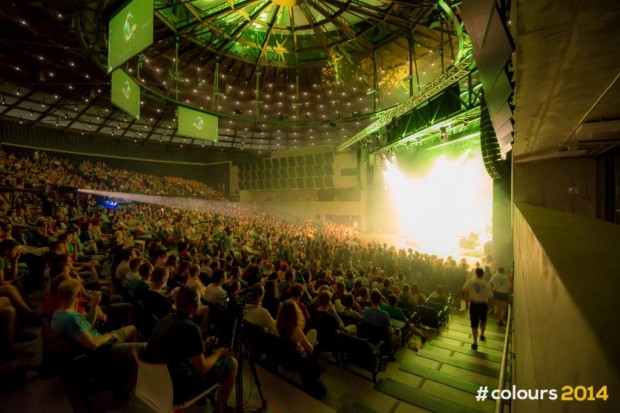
[(97, 265)]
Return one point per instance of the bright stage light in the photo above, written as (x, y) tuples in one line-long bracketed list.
[(437, 207)]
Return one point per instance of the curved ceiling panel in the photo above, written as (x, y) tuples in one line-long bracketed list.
[(278, 76)]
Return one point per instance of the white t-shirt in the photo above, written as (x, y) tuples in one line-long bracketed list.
[(260, 316), (479, 290), (129, 278), (501, 283), (215, 294)]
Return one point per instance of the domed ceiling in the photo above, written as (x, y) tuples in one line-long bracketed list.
[(280, 74)]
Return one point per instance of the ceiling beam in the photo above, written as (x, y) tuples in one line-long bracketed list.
[(292, 20), (317, 31), (20, 100), (156, 125), (105, 122), (207, 26), (386, 14), (49, 110), (220, 13), (80, 113), (452, 75), (268, 35), (239, 31), (344, 28), (127, 127)]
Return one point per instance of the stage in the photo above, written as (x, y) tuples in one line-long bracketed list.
[(458, 248)]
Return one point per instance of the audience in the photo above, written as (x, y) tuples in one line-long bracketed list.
[(139, 287), (290, 326), (296, 292), (350, 308), (214, 293), (159, 254), (271, 299), (327, 315), (501, 293), (194, 281), (68, 322), (397, 313), (178, 342), (155, 300), (375, 315), (255, 313), (9, 277)]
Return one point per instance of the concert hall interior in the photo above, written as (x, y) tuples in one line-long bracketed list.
[(351, 206)]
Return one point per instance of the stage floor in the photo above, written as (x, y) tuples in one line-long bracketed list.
[(407, 241)]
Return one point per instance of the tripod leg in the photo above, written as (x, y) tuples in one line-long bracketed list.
[(237, 347), (257, 382), (239, 387)]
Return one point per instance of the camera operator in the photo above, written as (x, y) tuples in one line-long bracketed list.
[(178, 341), (255, 313), (214, 293)]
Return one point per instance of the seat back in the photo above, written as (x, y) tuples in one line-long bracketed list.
[(429, 316), (408, 307), (348, 320), (154, 385), (57, 353), (360, 352), (436, 304), (327, 336), (376, 334), (284, 353), (64, 356), (255, 338), (144, 319)]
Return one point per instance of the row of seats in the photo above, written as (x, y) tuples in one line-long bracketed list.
[(80, 369), (365, 352), (433, 313)]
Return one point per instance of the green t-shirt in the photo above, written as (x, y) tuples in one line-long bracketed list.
[(395, 313), (5, 264), (138, 287)]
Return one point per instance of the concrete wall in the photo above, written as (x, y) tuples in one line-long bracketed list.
[(302, 203), (345, 161), (566, 332), (234, 181), (546, 183), (502, 222), (265, 196)]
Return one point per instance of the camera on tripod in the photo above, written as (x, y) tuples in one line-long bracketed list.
[(234, 313), (235, 305)]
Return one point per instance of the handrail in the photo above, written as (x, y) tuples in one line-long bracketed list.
[(502, 369)]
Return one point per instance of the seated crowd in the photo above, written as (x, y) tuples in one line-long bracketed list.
[(43, 171), (153, 280)]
